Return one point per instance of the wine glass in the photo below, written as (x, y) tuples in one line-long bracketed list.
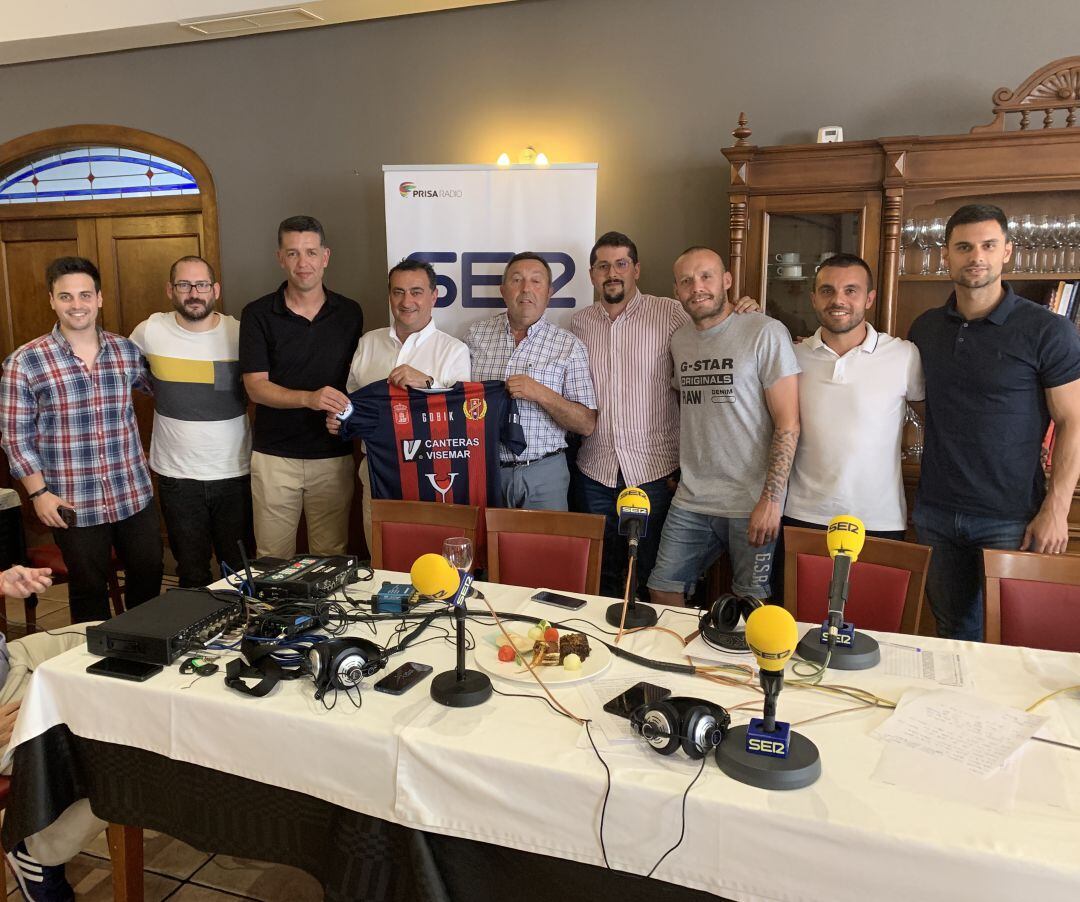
[(1044, 239), (1055, 228), (1014, 237), (924, 241), (1025, 234), (1072, 239), (937, 237), (907, 238), (912, 441), (458, 551)]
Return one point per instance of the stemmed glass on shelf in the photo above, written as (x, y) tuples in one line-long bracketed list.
[(924, 241), (908, 234), (1072, 241), (1026, 234), (937, 237)]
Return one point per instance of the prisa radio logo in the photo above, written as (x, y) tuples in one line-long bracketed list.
[(409, 189)]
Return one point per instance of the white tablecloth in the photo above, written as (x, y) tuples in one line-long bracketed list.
[(511, 772)]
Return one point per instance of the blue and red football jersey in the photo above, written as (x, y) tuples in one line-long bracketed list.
[(435, 445)]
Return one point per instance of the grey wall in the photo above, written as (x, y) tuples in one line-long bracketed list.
[(301, 121)]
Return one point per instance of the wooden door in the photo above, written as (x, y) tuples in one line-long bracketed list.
[(134, 255), (26, 248)]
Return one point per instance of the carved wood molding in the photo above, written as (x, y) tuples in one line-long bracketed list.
[(1054, 87)]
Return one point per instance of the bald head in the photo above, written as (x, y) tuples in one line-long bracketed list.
[(701, 285)]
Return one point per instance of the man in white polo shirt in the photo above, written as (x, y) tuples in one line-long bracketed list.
[(410, 353), (853, 393)]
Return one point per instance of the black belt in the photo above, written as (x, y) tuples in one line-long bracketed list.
[(525, 463)]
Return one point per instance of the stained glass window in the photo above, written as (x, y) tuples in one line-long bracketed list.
[(95, 173)]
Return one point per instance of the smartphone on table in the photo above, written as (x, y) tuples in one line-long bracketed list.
[(124, 670), (628, 702), (403, 679), (560, 601)]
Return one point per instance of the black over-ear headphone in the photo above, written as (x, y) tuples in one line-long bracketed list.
[(720, 619), (342, 662), (692, 723)]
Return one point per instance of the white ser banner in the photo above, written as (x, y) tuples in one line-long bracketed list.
[(468, 221)]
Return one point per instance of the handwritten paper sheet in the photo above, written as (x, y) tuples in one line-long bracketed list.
[(944, 725)]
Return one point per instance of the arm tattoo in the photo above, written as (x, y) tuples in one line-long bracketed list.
[(781, 454)]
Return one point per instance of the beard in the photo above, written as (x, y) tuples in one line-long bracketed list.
[(699, 313), (194, 313), (613, 292), (854, 321)]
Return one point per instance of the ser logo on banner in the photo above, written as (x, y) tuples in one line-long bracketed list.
[(562, 266)]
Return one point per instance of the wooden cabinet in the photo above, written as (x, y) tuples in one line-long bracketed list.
[(784, 200), (792, 205)]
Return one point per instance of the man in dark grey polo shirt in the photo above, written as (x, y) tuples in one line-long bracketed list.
[(998, 368), (295, 348)]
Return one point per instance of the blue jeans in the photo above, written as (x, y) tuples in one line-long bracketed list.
[(954, 584), (204, 518), (597, 498), (692, 541)]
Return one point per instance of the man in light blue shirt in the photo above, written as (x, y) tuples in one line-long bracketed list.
[(547, 370)]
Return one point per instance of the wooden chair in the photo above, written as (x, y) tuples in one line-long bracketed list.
[(401, 531), (1032, 599), (552, 549), (887, 581)]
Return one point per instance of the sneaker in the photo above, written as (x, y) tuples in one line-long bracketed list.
[(39, 882)]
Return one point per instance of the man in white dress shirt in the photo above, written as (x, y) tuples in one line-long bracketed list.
[(410, 353)]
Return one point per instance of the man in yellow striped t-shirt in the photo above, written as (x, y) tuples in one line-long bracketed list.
[(201, 445)]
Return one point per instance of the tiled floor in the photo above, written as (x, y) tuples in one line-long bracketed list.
[(173, 869)]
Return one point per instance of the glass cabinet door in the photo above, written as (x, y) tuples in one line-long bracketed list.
[(786, 238), (797, 244)]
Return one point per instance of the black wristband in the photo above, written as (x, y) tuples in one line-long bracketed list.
[(40, 491)]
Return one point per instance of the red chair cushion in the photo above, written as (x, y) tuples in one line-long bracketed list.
[(875, 596), (403, 543), (48, 556), (553, 562), (1040, 615)]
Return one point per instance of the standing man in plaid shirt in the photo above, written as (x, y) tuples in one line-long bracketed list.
[(547, 370), (71, 437)]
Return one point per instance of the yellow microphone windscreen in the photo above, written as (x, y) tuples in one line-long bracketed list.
[(771, 634), (433, 575), (845, 534), (633, 497)]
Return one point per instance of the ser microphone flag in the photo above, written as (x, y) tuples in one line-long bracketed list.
[(633, 508), (845, 538), (771, 634)]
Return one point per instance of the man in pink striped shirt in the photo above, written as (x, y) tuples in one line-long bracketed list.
[(636, 440)]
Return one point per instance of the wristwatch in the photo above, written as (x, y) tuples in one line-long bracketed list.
[(40, 491)]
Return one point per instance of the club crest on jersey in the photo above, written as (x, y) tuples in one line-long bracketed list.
[(401, 413), (474, 408), (435, 480)]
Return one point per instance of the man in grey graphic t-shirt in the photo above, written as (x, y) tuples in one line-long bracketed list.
[(739, 406)]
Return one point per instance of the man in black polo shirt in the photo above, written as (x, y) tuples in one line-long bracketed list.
[(295, 348), (998, 367)]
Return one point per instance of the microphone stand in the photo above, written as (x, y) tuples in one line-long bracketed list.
[(629, 614), (461, 687), (839, 643), (766, 753)]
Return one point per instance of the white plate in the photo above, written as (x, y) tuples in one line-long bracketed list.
[(487, 658)]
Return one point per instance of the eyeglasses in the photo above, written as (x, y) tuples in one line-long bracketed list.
[(620, 266), (201, 287)]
